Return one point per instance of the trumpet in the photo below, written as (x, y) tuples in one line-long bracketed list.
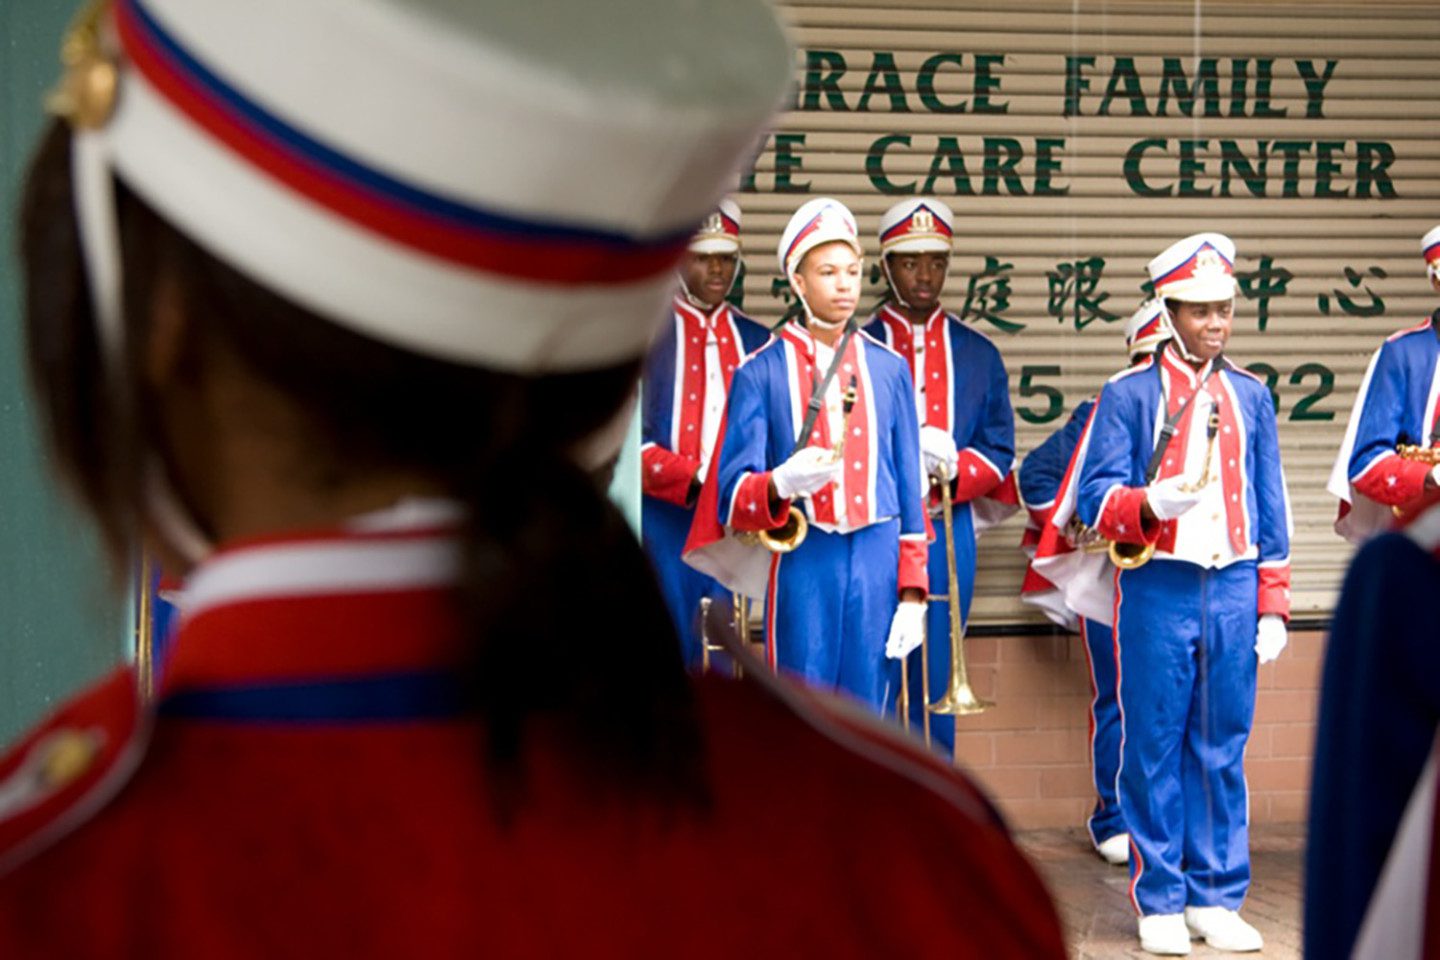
[(1417, 453), (1430, 456), (790, 534), (1126, 556)]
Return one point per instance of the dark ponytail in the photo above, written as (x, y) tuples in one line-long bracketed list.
[(567, 625)]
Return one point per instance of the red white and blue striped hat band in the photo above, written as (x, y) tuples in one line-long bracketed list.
[(1147, 328), (432, 175), (1430, 249), (817, 222), (1198, 269), (919, 225), (720, 233)]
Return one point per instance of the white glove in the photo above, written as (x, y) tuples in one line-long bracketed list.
[(1435, 475), (805, 473), (1270, 637), (1167, 501), (907, 629), (938, 447)]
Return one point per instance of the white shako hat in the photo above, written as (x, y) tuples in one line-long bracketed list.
[(919, 225), (819, 221), (1430, 249), (469, 181), (720, 232), (1147, 328), (1198, 269)]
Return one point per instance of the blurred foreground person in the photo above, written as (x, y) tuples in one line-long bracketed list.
[(333, 307), (1372, 876)]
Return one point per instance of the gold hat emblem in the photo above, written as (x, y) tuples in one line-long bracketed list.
[(922, 221), (1209, 261), (86, 94), (713, 224)]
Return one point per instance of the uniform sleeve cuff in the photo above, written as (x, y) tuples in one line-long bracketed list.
[(1122, 519), (667, 476), (914, 556), (1393, 480), (975, 477), (1274, 594), (750, 507)]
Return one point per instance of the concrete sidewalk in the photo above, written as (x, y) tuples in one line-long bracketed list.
[(1100, 924)]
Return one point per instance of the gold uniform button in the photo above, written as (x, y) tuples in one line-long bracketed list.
[(67, 755)]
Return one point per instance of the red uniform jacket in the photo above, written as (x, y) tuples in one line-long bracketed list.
[(308, 787)]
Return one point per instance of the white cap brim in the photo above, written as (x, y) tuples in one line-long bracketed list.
[(931, 244), (714, 245), (1200, 289)]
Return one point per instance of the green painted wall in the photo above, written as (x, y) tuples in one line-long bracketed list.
[(59, 624)]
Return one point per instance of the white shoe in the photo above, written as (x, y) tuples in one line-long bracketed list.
[(1165, 933), (1223, 929), (1115, 850)]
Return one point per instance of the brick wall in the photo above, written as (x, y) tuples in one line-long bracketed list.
[(1031, 749)]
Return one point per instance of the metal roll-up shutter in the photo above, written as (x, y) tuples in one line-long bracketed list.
[(1077, 140)]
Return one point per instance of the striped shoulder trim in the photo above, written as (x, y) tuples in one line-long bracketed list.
[(66, 770), (970, 329), (872, 341), (1418, 328), (1141, 367)]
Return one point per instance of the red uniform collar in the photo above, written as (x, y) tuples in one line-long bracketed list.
[(358, 602)]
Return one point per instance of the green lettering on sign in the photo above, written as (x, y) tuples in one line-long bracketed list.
[(875, 165), (1263, 80), (1125, 75), (1372, 159), (1047, 165), (987, 83), (1232, 158), (947, 151), (884, 78), (1315, 86), (1133, 178), (1173, 79), (832, 63), (787, 163), (998, 167), (925, 83), (1075, 83), (1190, 168), (1326, 168)]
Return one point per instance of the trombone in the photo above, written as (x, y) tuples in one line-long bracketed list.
[(709, 646), (960, 699)]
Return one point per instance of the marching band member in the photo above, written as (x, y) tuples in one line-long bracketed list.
[(1040, 474), (1372, 856), (348, 355), (831, 611), (962, 400), (683, 392), (1181, 462), (1398, 406)]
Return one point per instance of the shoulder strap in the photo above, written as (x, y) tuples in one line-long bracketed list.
[(1167, 432), (817, 395)]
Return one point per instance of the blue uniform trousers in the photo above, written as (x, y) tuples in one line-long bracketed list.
[(664, 527), (829, 609), (1187, 698), (937, 623), (1105, 820)]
